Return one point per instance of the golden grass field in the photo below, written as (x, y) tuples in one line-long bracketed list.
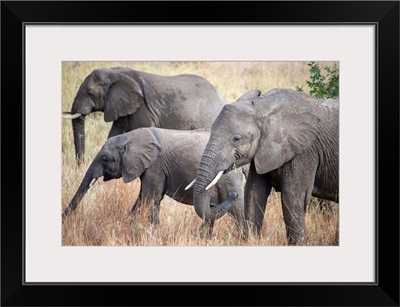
[(103, 216)]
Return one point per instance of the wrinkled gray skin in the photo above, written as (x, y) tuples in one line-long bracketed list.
[(165, 161), (133, 99), (291, 141)]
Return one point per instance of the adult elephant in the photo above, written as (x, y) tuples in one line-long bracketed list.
[(291, 141), (165, 160), (132, 99)]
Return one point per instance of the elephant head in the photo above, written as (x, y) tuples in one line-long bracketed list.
[(269, 129), (108, 90), (127, 155)]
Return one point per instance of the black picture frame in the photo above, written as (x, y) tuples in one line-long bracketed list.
[(383, 14)]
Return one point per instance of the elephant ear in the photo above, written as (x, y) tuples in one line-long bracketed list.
[(139, 154), (252, 94), (123, 98), (285, 133)]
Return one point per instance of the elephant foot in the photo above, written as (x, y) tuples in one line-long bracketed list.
[(152, 227), (154, 221), (296, 237), (243, 235), (302, 241), (134, 209), (251, 229)]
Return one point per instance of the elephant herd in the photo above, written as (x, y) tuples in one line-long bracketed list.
[(183, 139)]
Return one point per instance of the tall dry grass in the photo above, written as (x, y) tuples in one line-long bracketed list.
[(103, 217)]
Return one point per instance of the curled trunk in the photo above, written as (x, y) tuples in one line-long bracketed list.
[(78, 126), (205, 175)]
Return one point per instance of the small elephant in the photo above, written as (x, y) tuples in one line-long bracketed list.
[(166, 161), (291, 141), (133, 99)]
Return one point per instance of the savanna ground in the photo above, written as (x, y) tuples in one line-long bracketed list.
[(103, 216)]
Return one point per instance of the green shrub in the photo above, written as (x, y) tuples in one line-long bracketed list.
[(322, 85)]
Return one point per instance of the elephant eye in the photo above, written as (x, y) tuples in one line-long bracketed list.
[(236, 138), (104, 158)]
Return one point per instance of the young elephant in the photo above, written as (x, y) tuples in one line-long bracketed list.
[(291, 141), (166, 161)]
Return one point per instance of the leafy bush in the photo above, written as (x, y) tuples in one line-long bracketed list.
[(322, 86)]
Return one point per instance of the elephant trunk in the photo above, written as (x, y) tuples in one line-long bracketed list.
[(78, 126), (95, 171), (206, 174)]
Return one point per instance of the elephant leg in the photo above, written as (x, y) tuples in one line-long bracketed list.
[(295, 196), (230, 184), (256, 194), (155, 211), (116, 129), (294, 217), (137, 205), (237, 213), (153, 190)]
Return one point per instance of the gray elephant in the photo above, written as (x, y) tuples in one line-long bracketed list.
[(166, 161), (132, 99), (291, 141)]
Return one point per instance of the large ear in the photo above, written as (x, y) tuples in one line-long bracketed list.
[(123, 98), (139, 154), (285, 133), (252, 94)]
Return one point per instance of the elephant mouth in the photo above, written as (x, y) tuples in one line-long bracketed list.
[(109, 176), (234, 166), (238, 161), (230, 168)]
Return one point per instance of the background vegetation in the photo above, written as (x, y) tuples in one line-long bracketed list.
[(102, 217), (322, 85)]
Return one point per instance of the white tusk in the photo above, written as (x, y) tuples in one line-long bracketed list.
[(93, 182), (190, 185), (72, 116), (214, 182)]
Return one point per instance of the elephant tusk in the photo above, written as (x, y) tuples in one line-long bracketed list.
[(214, 182), (93, 182), (72, 116), (190, 185)]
